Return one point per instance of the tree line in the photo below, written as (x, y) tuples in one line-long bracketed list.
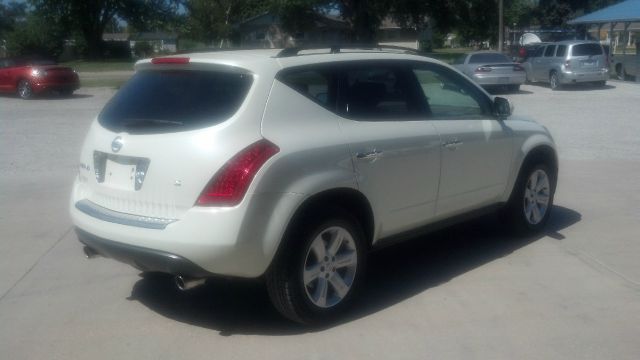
[(43, 26)]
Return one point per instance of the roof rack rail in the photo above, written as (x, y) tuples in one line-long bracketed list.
[(335, 49)]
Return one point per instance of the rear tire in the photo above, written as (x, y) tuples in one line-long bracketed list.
[(24, 90), (554, 81), (528, 209), (319, 269)]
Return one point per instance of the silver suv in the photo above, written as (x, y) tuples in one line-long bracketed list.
[(568, 62), (291, 166)]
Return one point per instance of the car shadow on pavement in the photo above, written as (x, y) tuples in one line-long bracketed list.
[(394, 274), (575, 87), (509, 92), (48, 97)]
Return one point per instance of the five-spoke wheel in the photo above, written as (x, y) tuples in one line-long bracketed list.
[(320, 268)]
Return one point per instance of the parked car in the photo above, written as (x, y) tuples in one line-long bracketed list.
[(568, 62), (491, 69), (29, 77), (625, 66), (267, 164)]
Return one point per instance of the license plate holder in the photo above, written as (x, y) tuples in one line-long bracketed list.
[(120, 172)]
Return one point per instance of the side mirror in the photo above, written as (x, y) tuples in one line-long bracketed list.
[(502, 107)]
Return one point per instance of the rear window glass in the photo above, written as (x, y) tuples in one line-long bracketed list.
[(488, 58), (175, 100), (586, 50), (562, 50)]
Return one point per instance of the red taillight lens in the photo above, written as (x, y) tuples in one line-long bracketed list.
[(522, 52), (229, 185), (170, 60), (518, 68), (482, 69)]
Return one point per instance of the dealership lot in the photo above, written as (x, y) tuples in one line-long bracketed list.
[(468, 292)]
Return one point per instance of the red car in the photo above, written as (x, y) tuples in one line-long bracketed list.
[(28, 77)]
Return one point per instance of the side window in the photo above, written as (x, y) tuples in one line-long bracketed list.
[(375, 92), (549, 51), (539, 52), (316, 84), (449, 96), (562, 51)]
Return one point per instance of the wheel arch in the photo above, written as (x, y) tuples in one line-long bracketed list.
[(536, 149), (348, 199)]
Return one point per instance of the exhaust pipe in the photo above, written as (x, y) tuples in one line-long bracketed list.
[(184, 283), (89, 253)]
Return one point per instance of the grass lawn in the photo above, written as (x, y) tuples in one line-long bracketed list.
[(448, 55), (99, 66), (112, 83)]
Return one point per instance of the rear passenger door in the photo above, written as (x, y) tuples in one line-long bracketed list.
[(395, 149), (476, 147)]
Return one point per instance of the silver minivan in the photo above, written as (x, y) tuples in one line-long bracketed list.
[(568, 62)]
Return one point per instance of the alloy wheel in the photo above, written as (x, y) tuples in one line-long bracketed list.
[(330, 267), (536, 197)]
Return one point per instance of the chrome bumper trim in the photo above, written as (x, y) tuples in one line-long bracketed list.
[(105, 214)]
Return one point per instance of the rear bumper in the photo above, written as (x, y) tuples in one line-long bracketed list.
[(141, 258), (571, 78), (240, 241), (499, 79)]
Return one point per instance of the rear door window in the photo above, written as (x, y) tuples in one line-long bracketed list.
[(372, 92), (175, 100), (549, 51), (562, 51), (586, 50)]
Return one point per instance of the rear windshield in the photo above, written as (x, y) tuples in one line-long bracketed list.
[(175, 100), (586, 50), (488, 58)]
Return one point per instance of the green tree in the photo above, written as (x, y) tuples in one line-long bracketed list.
[(91, 17)]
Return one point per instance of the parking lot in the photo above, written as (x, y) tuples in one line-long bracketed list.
[(470, 292)]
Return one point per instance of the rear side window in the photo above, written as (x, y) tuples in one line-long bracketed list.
[(586, 50), (316, 84), (549, 51), (175, 100), (562, 51), (488, 58), (539, 52)]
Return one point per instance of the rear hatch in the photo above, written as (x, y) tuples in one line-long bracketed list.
[(587, 58), (161, 138)]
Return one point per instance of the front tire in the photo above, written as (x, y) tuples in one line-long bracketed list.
[(24, 90), (530, 204), (319, 269)]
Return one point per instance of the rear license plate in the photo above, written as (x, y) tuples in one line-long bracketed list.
[(589, 63), (120, 175)]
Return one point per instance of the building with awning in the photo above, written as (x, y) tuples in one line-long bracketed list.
[(622, 18)]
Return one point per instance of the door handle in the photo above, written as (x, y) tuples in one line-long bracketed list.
[(369, 155), (451, 144)]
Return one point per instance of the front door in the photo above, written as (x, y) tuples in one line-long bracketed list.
[(476, 147)]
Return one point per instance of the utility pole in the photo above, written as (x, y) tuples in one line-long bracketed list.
[(501, 25)]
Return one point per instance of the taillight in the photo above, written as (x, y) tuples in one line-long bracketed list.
[(518, 68), (229, 185), (522, 52), (483, 69), (567, 64), (170, 60)]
